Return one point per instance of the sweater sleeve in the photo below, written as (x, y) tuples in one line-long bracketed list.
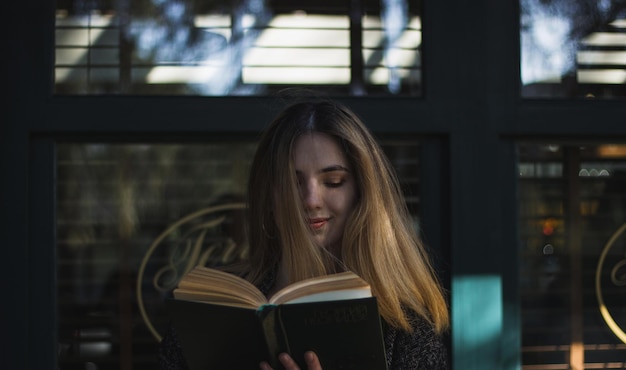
[(423, 349)]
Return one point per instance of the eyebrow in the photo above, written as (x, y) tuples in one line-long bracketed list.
[(332, 168), (336, 167)]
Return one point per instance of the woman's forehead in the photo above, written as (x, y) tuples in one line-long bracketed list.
[(318, 149)]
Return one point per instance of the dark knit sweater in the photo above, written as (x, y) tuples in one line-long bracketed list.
[(422, 349)]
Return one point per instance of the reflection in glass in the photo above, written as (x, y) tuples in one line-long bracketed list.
[(113, 201), (572, 200), (573, 48), (131, 218), (250, 47)]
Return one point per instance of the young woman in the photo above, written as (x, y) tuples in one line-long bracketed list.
[(323, 198)]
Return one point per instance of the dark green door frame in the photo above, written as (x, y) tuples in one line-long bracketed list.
[(471, 105)]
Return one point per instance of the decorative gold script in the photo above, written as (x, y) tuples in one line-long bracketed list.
[(618, 277), (191, 248)]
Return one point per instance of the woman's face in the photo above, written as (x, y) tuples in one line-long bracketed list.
[(327, 187)]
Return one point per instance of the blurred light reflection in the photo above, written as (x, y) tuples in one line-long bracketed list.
[(237, 51), (570, 38)]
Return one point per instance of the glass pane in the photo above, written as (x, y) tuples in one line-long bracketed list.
[(573, 255), (115, 207), (573, 49), (250, 47), (131, 218)]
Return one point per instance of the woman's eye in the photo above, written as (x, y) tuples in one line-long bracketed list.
[(334, 184)]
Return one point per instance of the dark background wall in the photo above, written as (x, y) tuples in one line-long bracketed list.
[(471, 106)]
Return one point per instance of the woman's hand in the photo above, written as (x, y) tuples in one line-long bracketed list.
[(312, 362)]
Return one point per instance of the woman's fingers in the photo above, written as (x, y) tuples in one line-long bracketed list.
[(288, 362), (312, 362)]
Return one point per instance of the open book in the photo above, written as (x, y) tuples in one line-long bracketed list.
[(225, 322)]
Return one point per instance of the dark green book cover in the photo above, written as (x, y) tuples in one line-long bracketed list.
[(345, 334)]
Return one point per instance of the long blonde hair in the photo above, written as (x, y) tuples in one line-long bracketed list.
[(379, 242)]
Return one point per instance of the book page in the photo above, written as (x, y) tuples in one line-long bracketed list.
[(327, 287), (214, 286), (216, 298), (334, 295)]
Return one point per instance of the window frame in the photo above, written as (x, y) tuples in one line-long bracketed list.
[(471, 101)]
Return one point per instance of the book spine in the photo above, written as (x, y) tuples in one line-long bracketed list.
[(273, 332)]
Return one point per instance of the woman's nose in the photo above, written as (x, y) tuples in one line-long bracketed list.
[(311, 195)]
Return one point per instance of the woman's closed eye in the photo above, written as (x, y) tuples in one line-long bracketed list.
[(334, 183)]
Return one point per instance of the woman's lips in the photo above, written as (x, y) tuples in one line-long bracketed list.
[(317, 223)]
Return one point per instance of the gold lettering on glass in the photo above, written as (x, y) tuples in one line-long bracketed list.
[(186, 244), (618, 278)]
